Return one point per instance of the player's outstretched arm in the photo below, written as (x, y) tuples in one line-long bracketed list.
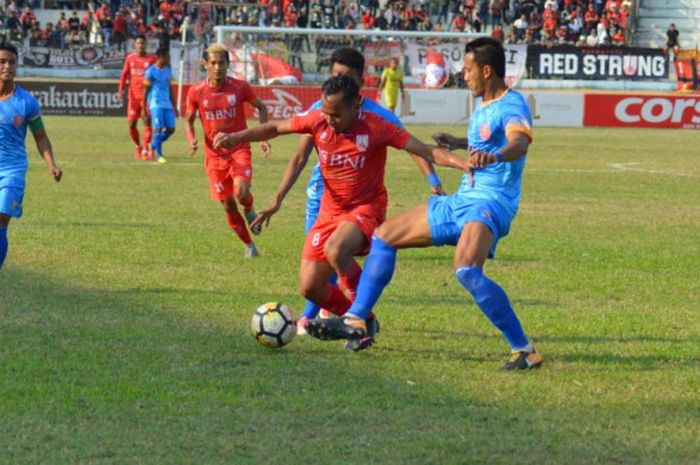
[(262, 112), (450, 142), (437, 155), (44, 145), (266, 131), (291, 174)]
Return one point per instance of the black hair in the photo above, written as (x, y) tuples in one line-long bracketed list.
[(141, 36), (9, 48), (162, 52), (342, 84), (488, 51), (349, 57)]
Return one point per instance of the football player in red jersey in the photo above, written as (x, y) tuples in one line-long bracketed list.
[(135, 66), (219, 100), (352, 148)]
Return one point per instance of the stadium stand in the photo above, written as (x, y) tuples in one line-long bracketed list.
[(54, 23)]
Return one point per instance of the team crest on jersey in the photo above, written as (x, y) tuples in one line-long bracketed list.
[(205, 103), (485, 131), (323, 136), (18, 121), (231, 99), (362, 141)]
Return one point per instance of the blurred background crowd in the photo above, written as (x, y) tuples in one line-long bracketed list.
[(575, 22)]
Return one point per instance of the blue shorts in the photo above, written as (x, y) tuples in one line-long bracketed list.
[(312, 208), (162, 118), (11, 201), (447, 216)]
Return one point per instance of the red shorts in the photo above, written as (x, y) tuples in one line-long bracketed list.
[(221, 172), (367, 217), (134, 109)]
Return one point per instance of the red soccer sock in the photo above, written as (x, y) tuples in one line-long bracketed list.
[(134, 134), (335, 301), (147, 136), (237, 224), (350, 279)]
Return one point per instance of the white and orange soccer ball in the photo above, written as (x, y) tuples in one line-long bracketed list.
[(273, 324)]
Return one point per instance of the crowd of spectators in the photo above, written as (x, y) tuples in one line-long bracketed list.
[(575, 22)]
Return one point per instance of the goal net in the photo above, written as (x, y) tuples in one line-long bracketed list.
[(287, 66)]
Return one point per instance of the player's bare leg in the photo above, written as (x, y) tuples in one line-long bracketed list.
[(237, 224), (314, 286), (471, 253), (136, 138), (241, 189), (340, 249), (409, 229)]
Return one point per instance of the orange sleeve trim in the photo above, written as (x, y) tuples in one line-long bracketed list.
[(511, 128)]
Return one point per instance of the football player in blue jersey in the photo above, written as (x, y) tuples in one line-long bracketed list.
[(473, 219), (344, 61), (18, 110), (158, 98)]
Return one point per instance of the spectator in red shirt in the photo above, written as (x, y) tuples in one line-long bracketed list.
[(497, 32), (101, 11), (619, 37), (119, 30), (459, 23), (590, 18), (550, 25), (548, 13), (368, 20)]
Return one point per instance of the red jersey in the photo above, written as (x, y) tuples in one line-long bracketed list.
[(135, 66), (352, 162), (221, 110)]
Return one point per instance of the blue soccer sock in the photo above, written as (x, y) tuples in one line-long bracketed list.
[(3, 244), (378, 271), (311, 310), (493, 301), (157, 143)]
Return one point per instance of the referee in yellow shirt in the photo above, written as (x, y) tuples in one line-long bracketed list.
[(392, 81)]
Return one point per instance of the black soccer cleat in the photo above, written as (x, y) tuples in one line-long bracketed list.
[(366, 342), (522, 360), (337, 328)]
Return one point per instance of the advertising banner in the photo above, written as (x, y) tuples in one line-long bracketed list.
[(453, 53), (555, 108), (86, 56), (76, 98), (286, 101), (597, 63), (642, 111)]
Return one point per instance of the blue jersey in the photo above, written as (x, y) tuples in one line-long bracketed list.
[(159, 92), (314, 189), (16, 112), (488, 127)]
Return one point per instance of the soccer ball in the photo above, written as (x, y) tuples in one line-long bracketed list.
[(273, 324)]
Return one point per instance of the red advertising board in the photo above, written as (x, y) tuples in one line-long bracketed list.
[(642, 111), (283, 101)]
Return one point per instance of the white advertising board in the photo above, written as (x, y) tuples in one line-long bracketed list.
[(434, 106), (555, 109)]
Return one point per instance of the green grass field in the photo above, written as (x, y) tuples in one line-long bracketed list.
[(125, 307)]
